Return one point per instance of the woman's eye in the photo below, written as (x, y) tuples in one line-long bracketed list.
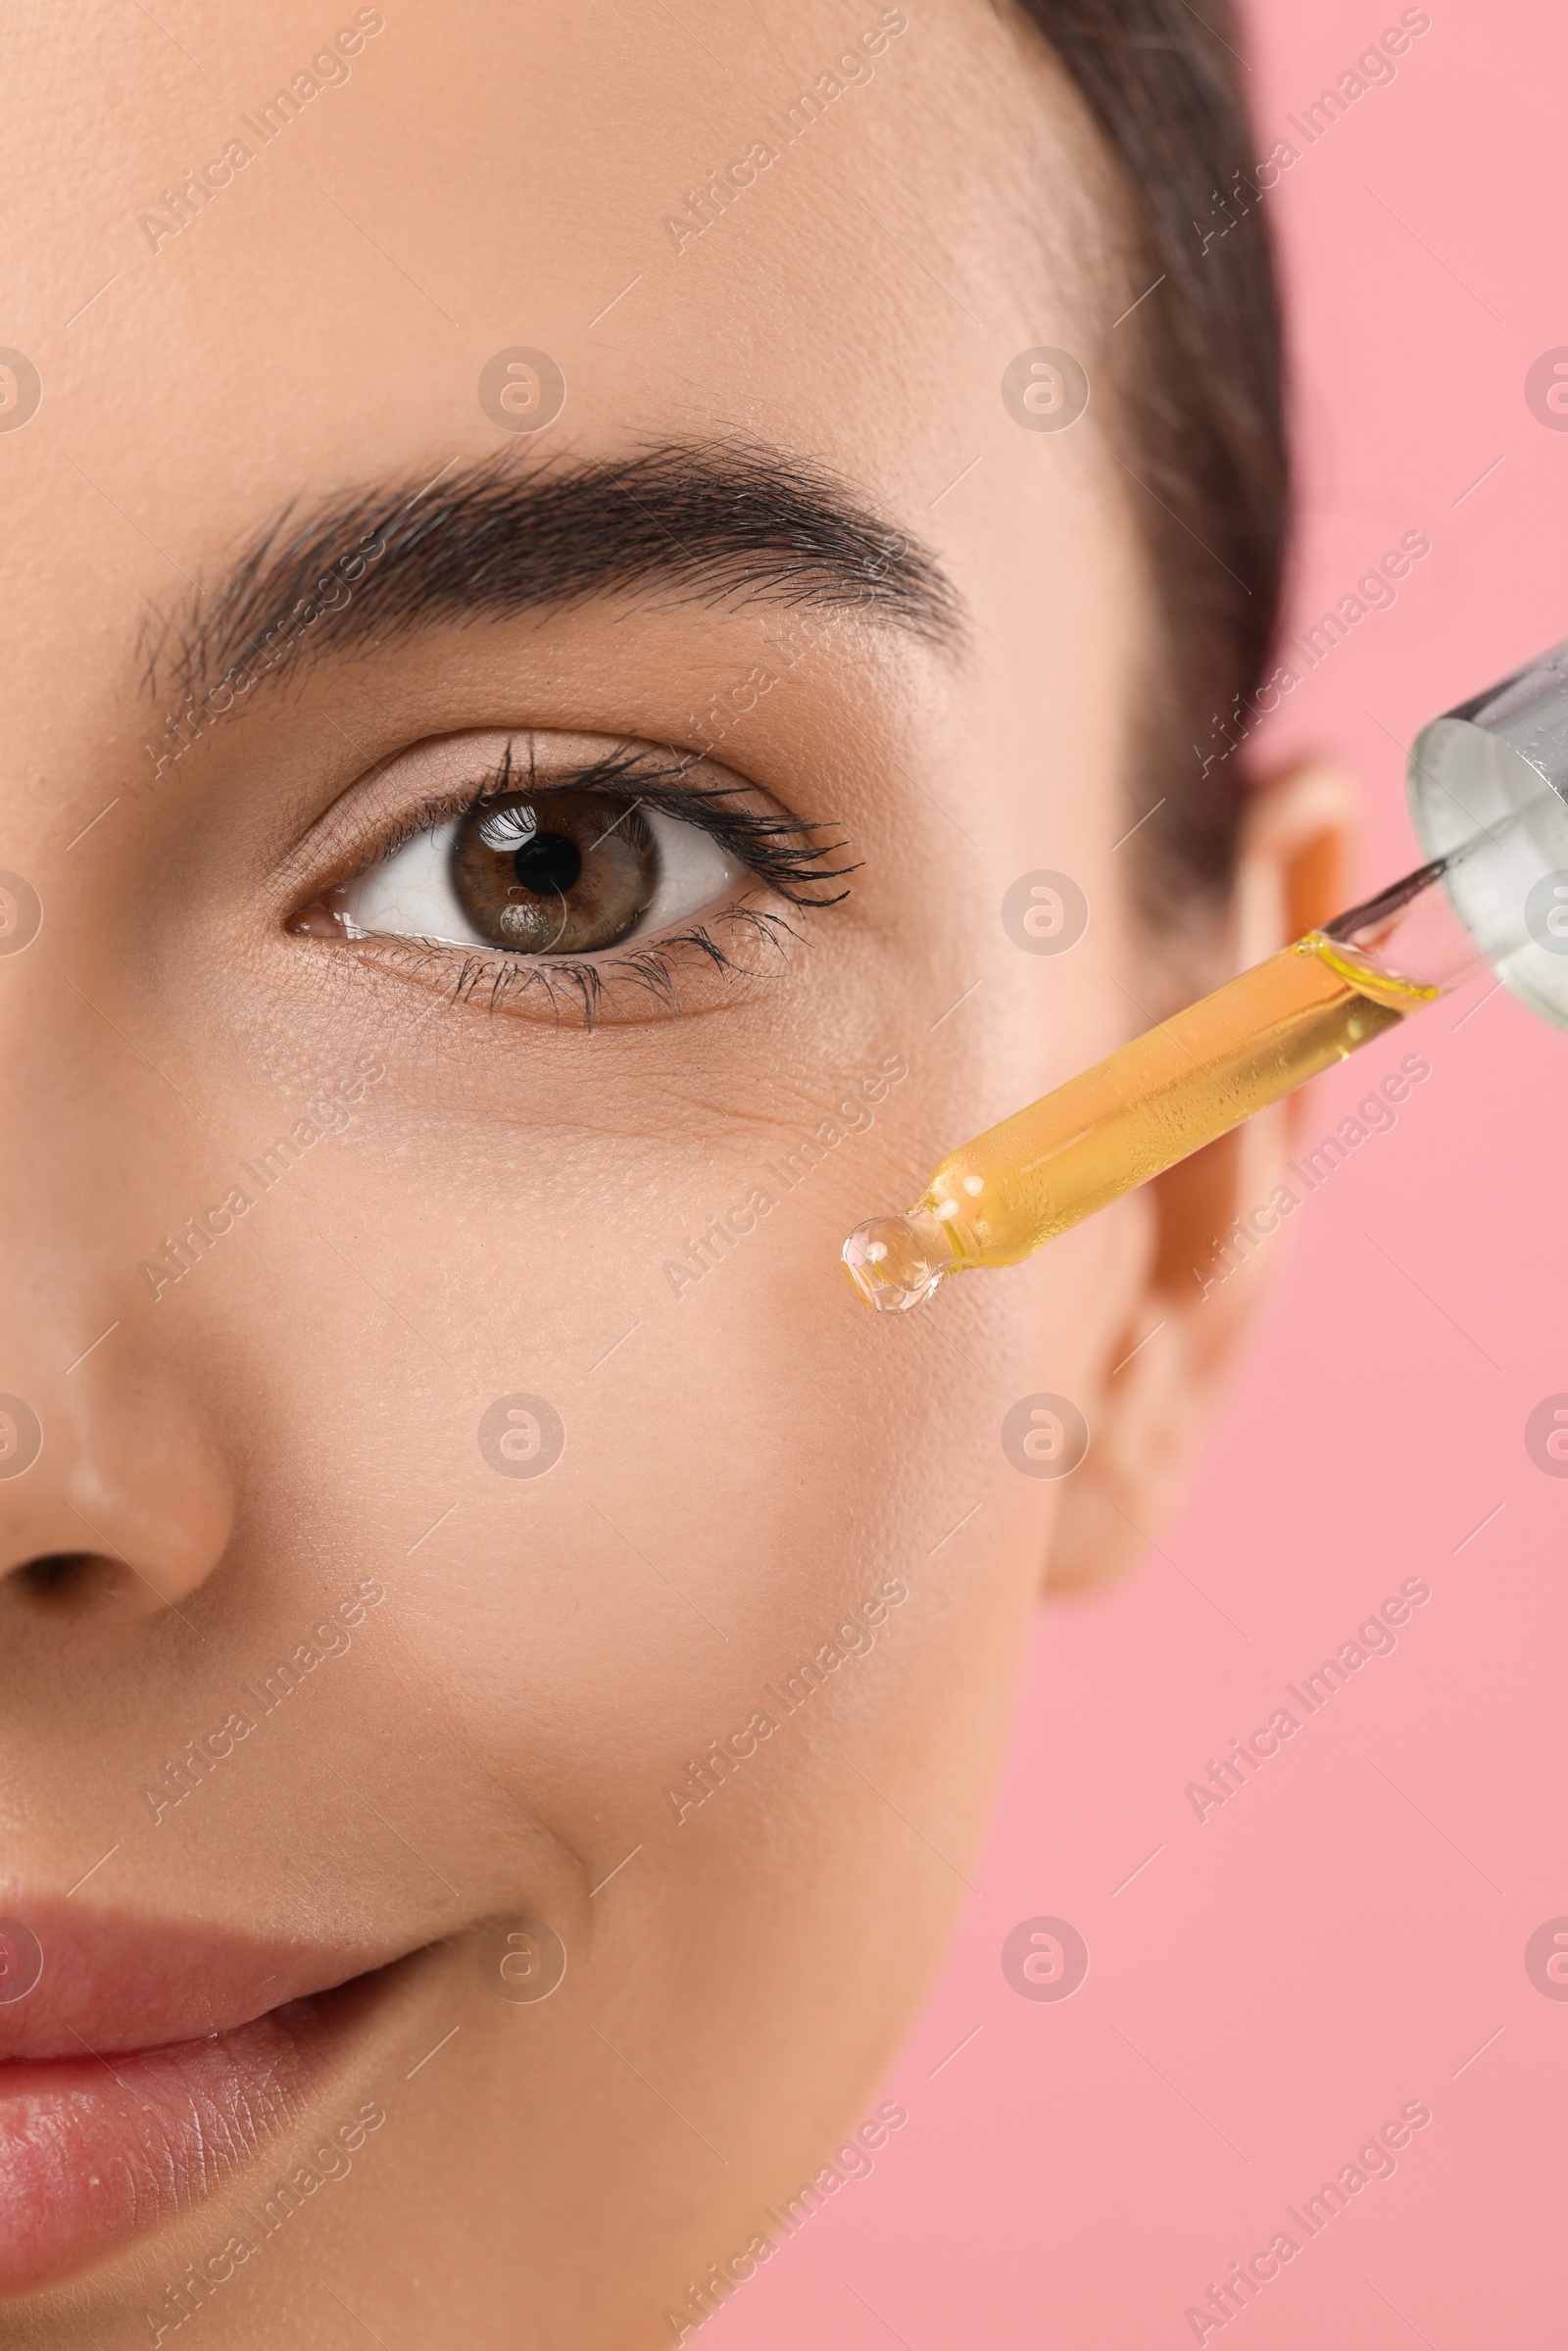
[(564, 873)]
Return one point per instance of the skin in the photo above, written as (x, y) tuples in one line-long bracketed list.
[(760, 1454)]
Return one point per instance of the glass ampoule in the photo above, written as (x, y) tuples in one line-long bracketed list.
[(1185, 1082)]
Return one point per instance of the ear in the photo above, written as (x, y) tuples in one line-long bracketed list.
[(1154, 1403)]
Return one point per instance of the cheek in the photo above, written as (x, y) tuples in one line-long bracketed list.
[(649, 1500)]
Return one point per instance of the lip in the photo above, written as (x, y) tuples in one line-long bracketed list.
[(144, 2064)]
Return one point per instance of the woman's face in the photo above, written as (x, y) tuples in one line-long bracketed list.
[(497, 1536)]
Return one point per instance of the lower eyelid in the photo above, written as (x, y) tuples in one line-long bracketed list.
[(664, 977)]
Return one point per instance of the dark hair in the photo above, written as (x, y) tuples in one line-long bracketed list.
[(1201, 387)]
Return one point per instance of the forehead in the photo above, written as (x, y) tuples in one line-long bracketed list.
[(281, 256)]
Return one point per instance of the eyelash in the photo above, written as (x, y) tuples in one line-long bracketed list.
[(776, 848)]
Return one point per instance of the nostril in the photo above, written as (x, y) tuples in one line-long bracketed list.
[(64, 1579)]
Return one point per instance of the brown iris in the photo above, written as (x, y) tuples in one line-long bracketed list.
[(554, 873)]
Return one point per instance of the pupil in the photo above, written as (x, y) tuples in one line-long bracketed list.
[(549, 864)]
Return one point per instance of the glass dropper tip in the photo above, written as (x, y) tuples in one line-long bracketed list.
[(896, 1262)]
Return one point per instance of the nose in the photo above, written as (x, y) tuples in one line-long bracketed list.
[(112, 1480), (108, 1485)]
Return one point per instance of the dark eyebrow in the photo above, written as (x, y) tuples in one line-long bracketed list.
[(723, 522)]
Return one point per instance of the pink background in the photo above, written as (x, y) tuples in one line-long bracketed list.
[(1343, 1935)]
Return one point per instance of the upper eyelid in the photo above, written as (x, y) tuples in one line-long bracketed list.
[(773, 841), (388, 832)]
